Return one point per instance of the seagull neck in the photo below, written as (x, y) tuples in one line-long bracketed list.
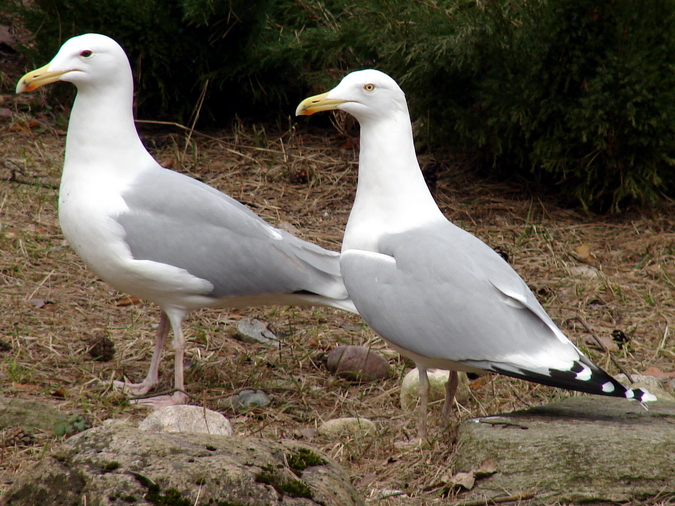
[(391, 195), (101, 124)]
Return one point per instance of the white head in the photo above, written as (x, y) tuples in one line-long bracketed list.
[(366, 94), (86, 60)]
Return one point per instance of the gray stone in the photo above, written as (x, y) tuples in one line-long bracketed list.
[(254, 331), (30, 415), (116, 464), (583, 449), (246, 399), (186, 419)]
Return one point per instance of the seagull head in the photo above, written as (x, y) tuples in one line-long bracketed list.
[(89, 59), (365, 94)]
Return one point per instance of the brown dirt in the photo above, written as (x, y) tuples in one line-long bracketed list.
[(53, 306)]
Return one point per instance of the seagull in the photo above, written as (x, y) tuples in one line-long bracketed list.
[(160, 235), (431, 290)]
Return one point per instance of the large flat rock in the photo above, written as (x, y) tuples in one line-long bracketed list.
[(592, 449), (118, 465)]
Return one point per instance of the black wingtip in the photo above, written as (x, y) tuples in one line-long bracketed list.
[(582, 377)]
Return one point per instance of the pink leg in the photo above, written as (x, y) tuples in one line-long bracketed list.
[(450, 389), (178, 397), (424, 400), (152, 377)]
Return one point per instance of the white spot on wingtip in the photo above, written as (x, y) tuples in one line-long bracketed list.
[(584, 374), (608, 387), (647, 396)]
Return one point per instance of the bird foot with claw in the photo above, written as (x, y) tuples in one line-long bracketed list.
[(133, 388)]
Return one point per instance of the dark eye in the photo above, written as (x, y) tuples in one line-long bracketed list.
[(369, 87), (85, 54)]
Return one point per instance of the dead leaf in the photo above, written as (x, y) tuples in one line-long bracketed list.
[(584, 254), (658, 373), (486, 468), (128, 301), (23, 126), (479, 383), (606, 341), (464, 480), (349, 143), (59, 392), (39, 303), (307, 433), (7, 38)]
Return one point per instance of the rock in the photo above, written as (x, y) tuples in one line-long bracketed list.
[(31, 416), (246, 399), (584, 271), (357, 363), (410, 387), (252, 330), (187, 420), (347, 425), (117, 464), (583, 449)]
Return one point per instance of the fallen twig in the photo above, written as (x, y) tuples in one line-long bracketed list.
[(497, 500), (581, 320)]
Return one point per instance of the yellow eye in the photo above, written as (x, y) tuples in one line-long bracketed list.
[(369, 87)]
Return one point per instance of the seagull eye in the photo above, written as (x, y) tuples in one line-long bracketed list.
[(86, 53), (369, 87)]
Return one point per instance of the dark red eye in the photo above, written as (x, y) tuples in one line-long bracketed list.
[(86, 53)]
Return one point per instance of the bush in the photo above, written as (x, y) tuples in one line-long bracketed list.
[(579, 94)]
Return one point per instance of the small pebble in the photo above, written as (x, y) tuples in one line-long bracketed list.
[(254, 331), (246, 399), (348, 425), (584, 271)]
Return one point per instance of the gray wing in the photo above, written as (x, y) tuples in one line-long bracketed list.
[(180, 221), (439, 292), (443, 294)]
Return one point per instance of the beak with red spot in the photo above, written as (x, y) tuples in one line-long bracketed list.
[(318, 103), (38, 77)]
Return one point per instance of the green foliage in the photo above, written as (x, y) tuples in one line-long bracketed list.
[(579, 94), (75, 423)]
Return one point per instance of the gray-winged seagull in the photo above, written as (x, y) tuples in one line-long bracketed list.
[(433, 291), (158, 234)]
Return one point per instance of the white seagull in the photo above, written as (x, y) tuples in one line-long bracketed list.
[(432, 291), (158, 234)]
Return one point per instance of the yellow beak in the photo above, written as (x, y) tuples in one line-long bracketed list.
[(317, 103), (38, 77)]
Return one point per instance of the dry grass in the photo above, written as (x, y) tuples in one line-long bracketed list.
[(305, 182)]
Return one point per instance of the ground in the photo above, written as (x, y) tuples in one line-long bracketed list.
[(616, 272)]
